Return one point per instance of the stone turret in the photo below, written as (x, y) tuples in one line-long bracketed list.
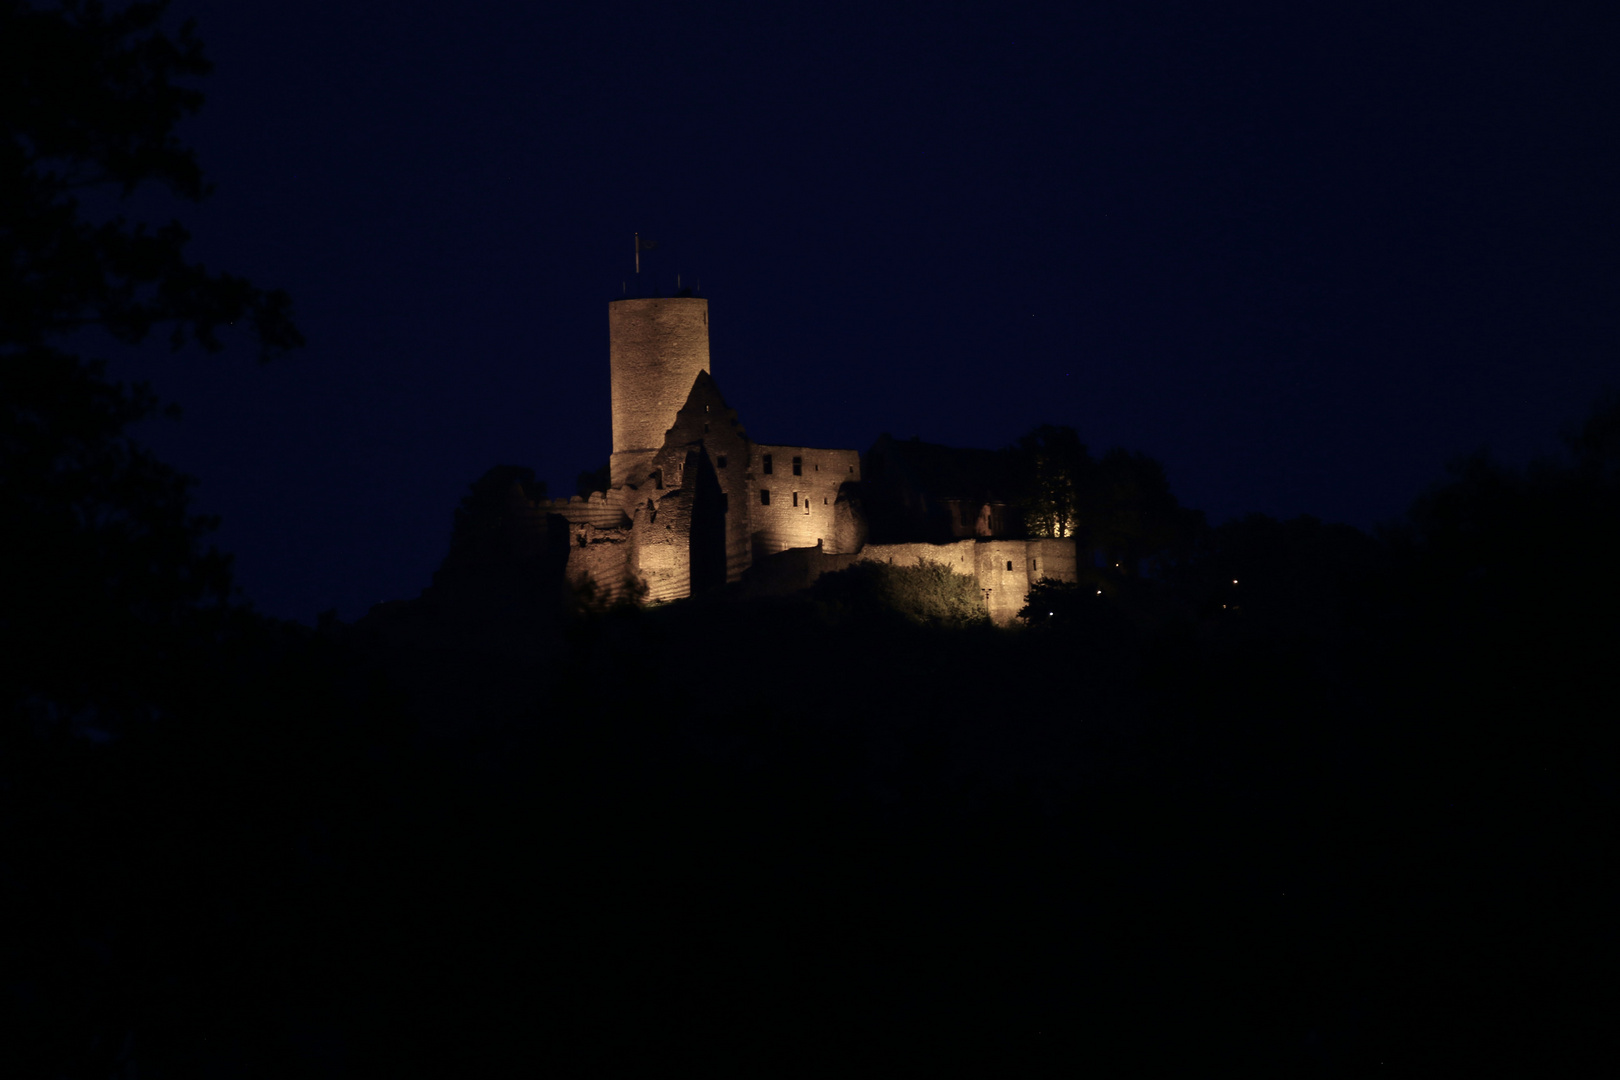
[(656, 348)]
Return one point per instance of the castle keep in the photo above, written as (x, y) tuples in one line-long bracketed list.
[(693, 502)]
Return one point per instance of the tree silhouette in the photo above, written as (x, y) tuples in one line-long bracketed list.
[(107, 573)]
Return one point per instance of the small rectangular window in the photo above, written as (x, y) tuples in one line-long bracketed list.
[(798, 466), (764, 497), (795, 498), (1034, 564), (1009, 564), (765, 465), (721, 463)]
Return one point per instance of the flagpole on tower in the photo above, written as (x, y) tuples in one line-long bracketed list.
[(638, 253)]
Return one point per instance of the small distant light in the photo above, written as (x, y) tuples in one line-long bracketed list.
[(1099, 592), (1234, 581)]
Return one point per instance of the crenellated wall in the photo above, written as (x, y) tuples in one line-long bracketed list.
[(598, 508)]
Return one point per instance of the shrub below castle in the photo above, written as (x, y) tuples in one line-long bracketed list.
[(929, 594)]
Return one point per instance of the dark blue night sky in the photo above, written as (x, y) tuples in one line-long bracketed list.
[(1304, 254)]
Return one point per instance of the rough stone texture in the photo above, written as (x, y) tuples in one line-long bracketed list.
[(599, 561), (705, 424), (656, 348), (802, 512)]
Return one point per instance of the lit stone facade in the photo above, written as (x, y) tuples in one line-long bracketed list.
[(693, 503), (656, 348)]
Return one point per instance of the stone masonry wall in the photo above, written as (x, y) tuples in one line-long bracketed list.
[(802, 510), (599, 560), (655, 350), (1003, 569), (706, 424)]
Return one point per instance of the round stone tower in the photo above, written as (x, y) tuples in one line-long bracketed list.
[(655, 350)]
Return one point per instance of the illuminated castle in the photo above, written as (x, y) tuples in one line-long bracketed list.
[(693, 502)]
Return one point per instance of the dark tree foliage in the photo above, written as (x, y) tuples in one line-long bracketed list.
[(1284, 576), (591, 480), (1118, 507), (106, 576), (1132, 518), (89, 100), (488, 510)]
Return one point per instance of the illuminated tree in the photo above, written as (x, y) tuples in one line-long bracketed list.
[(1054, 470)]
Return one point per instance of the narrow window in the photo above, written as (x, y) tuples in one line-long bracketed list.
[(725, 503), (818, 466), (852, 468), (795, 498), (798, 466), (766, 465), (764, 497), (824, 500), (705, 429), (705, 408), (722, 462), (1034, 564), (1009, 564)]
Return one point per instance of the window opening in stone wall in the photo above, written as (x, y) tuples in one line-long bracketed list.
[(658, 479), (798, 466), (824, 500), (1009, 564), (764, 497), (765, 465), (795, 498), (1034, 564), (705, 429), (721, 463), (852, 468)]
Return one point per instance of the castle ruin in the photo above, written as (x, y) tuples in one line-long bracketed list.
[(693, 503)]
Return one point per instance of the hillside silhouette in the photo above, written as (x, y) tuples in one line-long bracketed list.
[(1328, 816)]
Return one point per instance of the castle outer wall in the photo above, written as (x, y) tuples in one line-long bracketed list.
[(1003, 569)]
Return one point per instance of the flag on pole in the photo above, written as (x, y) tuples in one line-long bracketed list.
[(643, 245)]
